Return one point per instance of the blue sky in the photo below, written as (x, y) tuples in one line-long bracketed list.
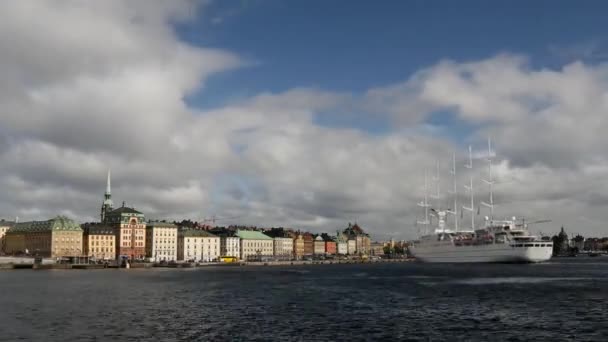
[(351, 46)]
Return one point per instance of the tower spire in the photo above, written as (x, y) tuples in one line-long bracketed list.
[(107, 205), (108, 185)]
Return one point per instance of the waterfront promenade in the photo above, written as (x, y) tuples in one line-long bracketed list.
[(28, 263)]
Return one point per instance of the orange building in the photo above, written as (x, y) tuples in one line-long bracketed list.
[(130, 232)]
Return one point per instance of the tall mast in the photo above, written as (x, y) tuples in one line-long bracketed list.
[(425, 204), (490, 181), (470, 189), (437, 193), (454, 192)]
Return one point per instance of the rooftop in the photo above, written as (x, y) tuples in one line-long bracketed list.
[(158, 224), (125, 210), (58, 223), (252, 235), (97, 229), (195, 233)]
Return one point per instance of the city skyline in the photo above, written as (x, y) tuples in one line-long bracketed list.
[(251, 111)]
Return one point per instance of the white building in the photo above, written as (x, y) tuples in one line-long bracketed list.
[(161, 241), (342, 247), (351, 247), (283, 248), (230, 246), (255, 245), (197, 245)]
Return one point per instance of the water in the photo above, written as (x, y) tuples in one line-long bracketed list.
[(562, 300)]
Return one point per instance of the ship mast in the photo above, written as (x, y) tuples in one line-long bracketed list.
[(454, 192), (470, 189), (425, 204), (490, 181)]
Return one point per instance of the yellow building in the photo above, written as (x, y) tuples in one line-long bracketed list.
[(4, 227), (57, 237), (298, 247), (99, 241)]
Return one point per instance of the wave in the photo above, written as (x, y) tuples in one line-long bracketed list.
[(515, 280)]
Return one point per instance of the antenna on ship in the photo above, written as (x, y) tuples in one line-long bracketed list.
[(454, 193), (425, 204), (470, 189), (490, 181)]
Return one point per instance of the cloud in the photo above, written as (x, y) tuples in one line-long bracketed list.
[(110, 93)]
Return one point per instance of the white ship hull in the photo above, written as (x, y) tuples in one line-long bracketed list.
[(491, 253)]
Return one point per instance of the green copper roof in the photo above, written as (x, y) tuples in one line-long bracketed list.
[(160, 225), (195, 233), (252, 235), (59, 223), (124, 210)]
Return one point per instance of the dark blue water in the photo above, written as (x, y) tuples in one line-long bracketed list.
[(562, 300)]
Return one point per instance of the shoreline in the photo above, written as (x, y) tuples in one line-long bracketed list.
[(32, 266)]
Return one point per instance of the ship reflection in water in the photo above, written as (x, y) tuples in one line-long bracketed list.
[(563, 299)]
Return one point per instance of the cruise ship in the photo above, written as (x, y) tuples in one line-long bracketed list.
[(497, 241)]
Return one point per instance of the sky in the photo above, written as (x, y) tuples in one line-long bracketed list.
[(308, 114)]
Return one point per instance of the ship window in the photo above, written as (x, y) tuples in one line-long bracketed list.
[(549, 245), (542, 245), (529, 245)]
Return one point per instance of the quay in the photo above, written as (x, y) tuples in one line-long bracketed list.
[(64, 266)]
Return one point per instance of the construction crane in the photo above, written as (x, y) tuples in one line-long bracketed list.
[(214, 218)]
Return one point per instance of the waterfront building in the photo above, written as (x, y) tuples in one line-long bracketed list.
[(361, 238), (57, 237), (161, 241), (283, 248), (197, 245), (341, 247), (330, 247), (319, 246), (578, 242), (99, 241), (341, 244), (298, 246), (309, 245), (351, 247), (377, 248), (4, 227), (230, 246), (255, 245), (130, 232)]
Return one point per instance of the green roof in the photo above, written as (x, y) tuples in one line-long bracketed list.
[(157, 224), (252, 235), (59, 223), (195, 233), (124, 210)]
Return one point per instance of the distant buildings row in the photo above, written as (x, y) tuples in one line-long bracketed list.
[(125, 235)]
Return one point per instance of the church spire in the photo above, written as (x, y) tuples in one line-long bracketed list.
[(107, 205), (108, 187)]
